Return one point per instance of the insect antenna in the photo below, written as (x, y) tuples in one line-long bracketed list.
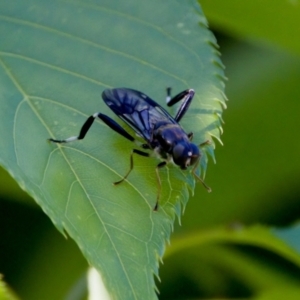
[(202, 181), (198, 177)]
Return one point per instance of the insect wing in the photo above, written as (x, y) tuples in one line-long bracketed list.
[(136, 109)]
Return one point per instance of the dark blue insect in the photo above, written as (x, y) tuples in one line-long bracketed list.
[(154, 124)]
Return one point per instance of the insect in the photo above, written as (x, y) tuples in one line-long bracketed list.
[(161, 132)]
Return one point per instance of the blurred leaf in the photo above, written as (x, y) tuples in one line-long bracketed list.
[(5, 293), (233, 262), (289, 235), (257, 236), (29, 242), (273, 21), (11, 190), (257, 172), (288, 292), (56, 59), (45, 265)]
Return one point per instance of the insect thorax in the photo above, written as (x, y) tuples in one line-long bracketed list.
[(165, 138)]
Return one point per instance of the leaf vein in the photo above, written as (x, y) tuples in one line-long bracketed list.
[(93, 44)]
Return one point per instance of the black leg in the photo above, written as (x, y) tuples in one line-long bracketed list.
[(159, 166), (190, 136), (88, 123), (84, 129), (168, 98), (136, 151), (115, 126), (186, 96)]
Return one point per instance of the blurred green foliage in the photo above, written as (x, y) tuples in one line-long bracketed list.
[(254, 181)]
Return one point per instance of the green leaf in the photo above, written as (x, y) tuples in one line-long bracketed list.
[(289, 235), (236, 261), (287, 292), (257, 236), (5, 292), (56, 58), (277, 22)]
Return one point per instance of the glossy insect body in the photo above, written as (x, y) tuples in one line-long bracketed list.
[(172, 143), (154, 124), (162, 133)]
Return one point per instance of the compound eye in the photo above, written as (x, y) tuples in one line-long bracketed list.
[(178, 152), (180, 156), (185, 155), (195, 154)]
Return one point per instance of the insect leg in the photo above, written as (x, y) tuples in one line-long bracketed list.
[(159, 166), (168, 98), (84, 129), (115, 126), (208, 142), (136, 151), (88, 123), (199, 178), (190, 136), (187, 97)]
